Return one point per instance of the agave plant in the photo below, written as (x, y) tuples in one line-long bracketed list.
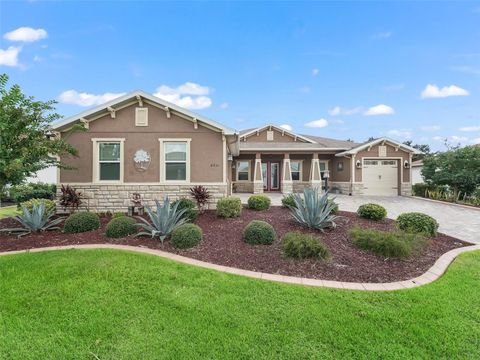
[(38, 219), (314, 210), (163, 221)]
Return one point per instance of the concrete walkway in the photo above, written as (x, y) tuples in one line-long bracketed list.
[(456, 221)]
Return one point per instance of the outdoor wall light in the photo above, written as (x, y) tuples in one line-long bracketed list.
[(359, 164), (406, 165)]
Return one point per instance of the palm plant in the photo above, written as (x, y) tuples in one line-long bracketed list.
[(163, 221), (314, 210), (38, 219)]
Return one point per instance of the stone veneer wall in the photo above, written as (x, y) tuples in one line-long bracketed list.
[(344, 187), (405, 190), (102, 198), (243, 187)]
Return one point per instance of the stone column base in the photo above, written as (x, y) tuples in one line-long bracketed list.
[(287, 187), (258, 187)]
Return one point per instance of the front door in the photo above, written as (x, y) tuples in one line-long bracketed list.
[(271, 175)]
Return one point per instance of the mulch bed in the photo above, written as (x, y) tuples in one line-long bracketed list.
[(223, 244)]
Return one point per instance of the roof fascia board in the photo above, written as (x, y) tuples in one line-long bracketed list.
[(377, 141), (292, 134)]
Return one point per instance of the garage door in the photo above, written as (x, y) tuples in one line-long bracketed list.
[(380, 177)]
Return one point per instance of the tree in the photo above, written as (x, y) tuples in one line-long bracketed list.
[(456, 167), (424, 148), (27, 144)]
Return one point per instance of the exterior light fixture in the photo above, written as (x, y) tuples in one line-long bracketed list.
[(406, 164), (326, 176), (358, 164)]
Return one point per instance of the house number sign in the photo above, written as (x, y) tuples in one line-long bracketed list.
[(141, 160)]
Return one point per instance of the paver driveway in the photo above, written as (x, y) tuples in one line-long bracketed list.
[(460, 222)]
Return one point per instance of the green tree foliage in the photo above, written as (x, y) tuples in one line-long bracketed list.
[(424, 148), (457, 167), (26, 142)]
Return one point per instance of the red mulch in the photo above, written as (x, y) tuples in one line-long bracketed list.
[(223, 244)]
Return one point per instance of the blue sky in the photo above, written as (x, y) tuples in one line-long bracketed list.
[(344, 70)]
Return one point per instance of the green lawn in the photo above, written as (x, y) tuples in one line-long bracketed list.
[(8, 211), (107, 304)]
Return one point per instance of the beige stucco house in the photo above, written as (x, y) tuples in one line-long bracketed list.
[(139, 143)]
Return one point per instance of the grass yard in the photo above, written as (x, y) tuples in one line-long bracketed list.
[(107, 304), (8, 211)]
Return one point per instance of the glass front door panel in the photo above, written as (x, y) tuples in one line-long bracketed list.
[(274, 176), (265, 175)]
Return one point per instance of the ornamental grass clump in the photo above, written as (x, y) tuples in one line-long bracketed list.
[(418, 223), (50, 206), (387, 244), (35, 220), (302, 246), (259, 233), (163, 221), (372, 211), (259, 202), (187, 236), (121, 226), (81, 222), (315, 211)]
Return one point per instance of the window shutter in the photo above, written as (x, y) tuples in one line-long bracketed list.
[(141, 116)]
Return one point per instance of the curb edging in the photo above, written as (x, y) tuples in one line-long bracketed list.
[(432, 274)]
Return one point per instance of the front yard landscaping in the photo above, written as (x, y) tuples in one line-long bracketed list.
[(107, 304)]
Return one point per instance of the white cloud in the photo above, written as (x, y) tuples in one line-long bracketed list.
[(315, 72), (86, 99), (224, 105), (189, 95), (404, 133), (467, 69), (382, 35), (26, 34), (9, 57), (470, 128), (475, 141), (286, 127), (379, 110), (438, 138), (430, 128), (317, 123), (337, 110), (433, 91), (37, 58), (458, 138)]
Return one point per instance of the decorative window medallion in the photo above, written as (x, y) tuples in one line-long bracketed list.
[(141, 160)]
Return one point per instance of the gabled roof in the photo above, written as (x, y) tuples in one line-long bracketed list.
[(371, 143), (249, 132), (140, 95)]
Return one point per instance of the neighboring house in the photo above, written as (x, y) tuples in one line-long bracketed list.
[(46, 176), (417, 167), (140, 143)]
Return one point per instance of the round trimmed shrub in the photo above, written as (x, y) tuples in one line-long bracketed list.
[(186, 236), (229, 207), (81, 222), (49, 204), (302, 246), (259, 202), (191, 212), (335, 208), (118, 214), (121, 226), (372, 211), (415, 222), (288, 202), (259, 233)]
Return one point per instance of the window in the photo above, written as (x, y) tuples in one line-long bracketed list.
[(323, 167), (296, 169), (175, 161), (141, 116), (340, 166), (109, 160), (243, 170)]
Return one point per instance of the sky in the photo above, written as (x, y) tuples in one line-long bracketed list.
[(346, 70)]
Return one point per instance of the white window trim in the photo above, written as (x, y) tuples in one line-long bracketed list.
[(162, 160), (300, 178), (249, 171), (96, 160), (136, 115)]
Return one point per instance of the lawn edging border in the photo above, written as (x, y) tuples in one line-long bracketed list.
[(471, 207), (432, 274)]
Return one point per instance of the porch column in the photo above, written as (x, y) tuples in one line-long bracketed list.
[(287, 183), (258, 175), (315, 175)]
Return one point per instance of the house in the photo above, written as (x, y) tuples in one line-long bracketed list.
[(139, 143), (417, 167)]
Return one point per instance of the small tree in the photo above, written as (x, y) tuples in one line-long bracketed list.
[(26, 142), (457, 167), (424, 148)]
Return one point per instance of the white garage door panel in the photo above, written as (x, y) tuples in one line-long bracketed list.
[(380, 177)]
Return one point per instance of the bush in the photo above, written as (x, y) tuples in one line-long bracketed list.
[(259, 202), (191, 212), (388, 244), (186, 236), (416, 222), (334, 206), (372, 212), (70, 198), (49, 204), (121, 226), (229, 207), (301, 246), (25, 192), (259, 233), (420, 189), (82, 222), (118, 214), (288, 201)]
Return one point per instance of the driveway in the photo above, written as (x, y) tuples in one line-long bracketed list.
[(456, 221)]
